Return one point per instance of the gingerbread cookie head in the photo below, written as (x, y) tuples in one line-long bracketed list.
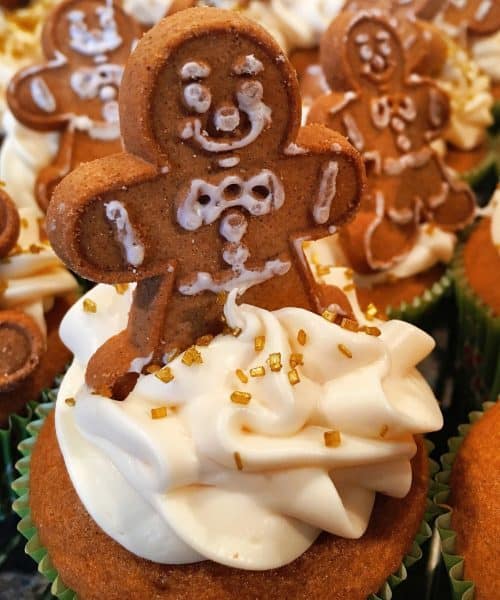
[(86, 44), (195, 104), (217, 183), (473, 17)]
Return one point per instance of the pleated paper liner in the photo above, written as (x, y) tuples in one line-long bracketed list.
[(461, 588), (40, 555), (478, 343)]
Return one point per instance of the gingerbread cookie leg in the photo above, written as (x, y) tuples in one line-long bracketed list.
[(115, 367)]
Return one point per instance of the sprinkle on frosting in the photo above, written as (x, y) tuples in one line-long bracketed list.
[(89, 306), (258, 371), (165, 375), (384, 431), (238, 461), (159, 413), (121, 288), (293, 377), (274, 362), (241, 376), (204, 340), (329, 316), (70, 402), (345, 350), (302, 337), (349, 325), (260, 342), (242, 398), (332, 439), (371, 312), (322, 270), (191, 357), (296, 360)]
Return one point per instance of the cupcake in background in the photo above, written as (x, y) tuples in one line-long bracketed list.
[(402, 240), (74, 91), (20, 35), (476, 269), (470, 494)]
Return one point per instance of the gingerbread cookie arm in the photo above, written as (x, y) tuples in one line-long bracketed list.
[(93, 233), (34, 95), (480, 17)]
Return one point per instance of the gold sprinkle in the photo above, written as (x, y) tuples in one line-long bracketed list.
[(105, 392), (159, 413), (241, 376), (296, 360), (345, 350), (348, 273), (241, 398), (205, 340), (238, 461), (349, 325), (165, 375), (35, 249), (302, 337), (89, 306), (332, 439), (236, 332), (153, 369), (322, 270), (222, 298), (293, 377), (70, 402), (374, 331), (371, 312), (258, 372), (328, 315), (192, 357), (384, 431), (274, 362), (24, 223), (121, 288), (259, 343), (350, 287)]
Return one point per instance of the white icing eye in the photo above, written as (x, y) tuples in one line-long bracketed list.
[(385, 49), (195, 70), (366, 52), (197, 97)]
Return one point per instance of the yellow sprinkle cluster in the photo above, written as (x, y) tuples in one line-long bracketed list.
[(89, 306), (165, 374), (191, 357)]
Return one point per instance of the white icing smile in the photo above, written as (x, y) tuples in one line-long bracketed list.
[(225, 118), (95, 42)]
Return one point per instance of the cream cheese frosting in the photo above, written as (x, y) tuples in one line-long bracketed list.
[(486, 52), (470, 96), (432, 246), (246, 481)]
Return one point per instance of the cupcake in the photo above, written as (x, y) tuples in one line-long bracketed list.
[(476, 266), (402, 240), (73, 92), (211, 426), (470, 493)]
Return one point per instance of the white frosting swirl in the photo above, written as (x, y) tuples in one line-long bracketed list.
[(470, 97), (494, 212), (432, 246), (170, 490), (147, 12), (486, 53)]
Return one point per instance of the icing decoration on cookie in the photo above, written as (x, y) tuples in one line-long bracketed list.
[(21, 340), (86, 44), (424, 46), (473, 17), (216, 191), (390, 118)]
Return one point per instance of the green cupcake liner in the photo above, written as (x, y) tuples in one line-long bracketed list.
[(478, 343), (462, 589), (39, 554)]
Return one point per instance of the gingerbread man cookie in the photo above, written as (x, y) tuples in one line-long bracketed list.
[(21, 341), (86, 44), (425, 48), (215, 191), (391, 119), (470, 17)]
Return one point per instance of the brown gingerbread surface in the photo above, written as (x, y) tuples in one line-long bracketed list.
[(475, 499), (95, 566), (482, 265)]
